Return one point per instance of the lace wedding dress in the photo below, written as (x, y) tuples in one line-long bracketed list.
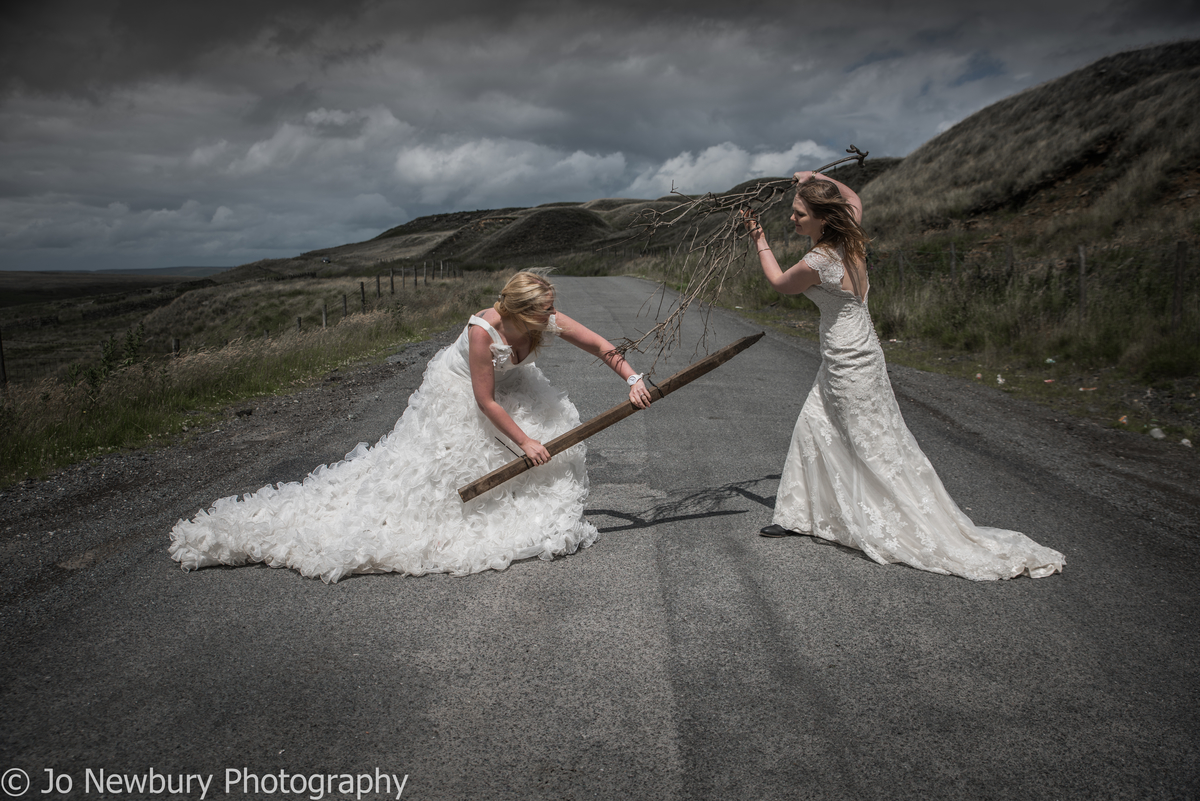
[(394, 506), (855, 475)]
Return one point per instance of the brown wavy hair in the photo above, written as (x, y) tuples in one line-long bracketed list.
[(523, 299), (839, 228)]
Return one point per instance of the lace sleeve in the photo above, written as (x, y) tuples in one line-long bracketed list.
[(827, 265)]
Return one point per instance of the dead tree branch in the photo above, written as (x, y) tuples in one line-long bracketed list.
[(713, 235)]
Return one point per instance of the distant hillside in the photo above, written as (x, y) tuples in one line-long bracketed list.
[(510, 237), (1096, 153), (185, 272)]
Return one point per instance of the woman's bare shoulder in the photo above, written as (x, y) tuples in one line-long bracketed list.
[(491, 315)]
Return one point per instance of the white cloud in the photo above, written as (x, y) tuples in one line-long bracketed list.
[(325, 136), (483, 171), (722, 166), (372, 212), (205, 155), (802, 155)]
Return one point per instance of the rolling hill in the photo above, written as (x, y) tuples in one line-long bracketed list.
[(1112, 149)]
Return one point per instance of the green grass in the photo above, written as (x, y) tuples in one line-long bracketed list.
[(1033, 310), (1126, 362), (56, 421)]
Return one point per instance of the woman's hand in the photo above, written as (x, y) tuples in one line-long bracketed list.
[(757, 234), (536, 452), (639, 396), (750, 220)]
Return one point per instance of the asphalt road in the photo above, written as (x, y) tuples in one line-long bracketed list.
[(682, 656)]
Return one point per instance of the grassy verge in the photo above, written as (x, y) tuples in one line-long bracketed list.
[(58, 421), (1128, 366)]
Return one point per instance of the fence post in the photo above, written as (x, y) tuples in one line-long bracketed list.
[(1082, 290), (345, 307), (299, 327), (174, 346), (392, 279), (424, 273), (1176, 307), (1008, 264), (953, 264), (362, 287), (3, 372), (378, 292), (324, 315)]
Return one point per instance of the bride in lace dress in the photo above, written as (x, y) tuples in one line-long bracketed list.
[(394, 506), (854, 474)]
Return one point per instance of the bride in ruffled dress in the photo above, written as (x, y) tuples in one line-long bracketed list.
[(854, 474), (394, 506)]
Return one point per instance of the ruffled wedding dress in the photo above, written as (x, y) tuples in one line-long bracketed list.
[(394, 506), (855, 475)]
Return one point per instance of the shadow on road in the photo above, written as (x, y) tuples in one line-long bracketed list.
[(696, 504)]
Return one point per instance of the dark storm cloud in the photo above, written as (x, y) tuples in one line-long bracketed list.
[(166, 132), (287, 103), (1152, 13), (85, 46), (980, 65)]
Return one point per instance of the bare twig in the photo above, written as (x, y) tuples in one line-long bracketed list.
[(713, 231)]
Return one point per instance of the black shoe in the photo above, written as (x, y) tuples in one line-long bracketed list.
[(776, 530)]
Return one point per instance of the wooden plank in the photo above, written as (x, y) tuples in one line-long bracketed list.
[(606, 419)]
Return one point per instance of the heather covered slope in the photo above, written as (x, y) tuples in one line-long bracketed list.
[(1092, 154)]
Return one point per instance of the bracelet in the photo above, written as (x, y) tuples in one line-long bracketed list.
[(768, 247), (633, 379)]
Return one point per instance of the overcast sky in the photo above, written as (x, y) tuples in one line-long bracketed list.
[(152, 134)]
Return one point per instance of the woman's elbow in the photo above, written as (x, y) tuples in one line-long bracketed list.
[(783, 287), (483, 402)]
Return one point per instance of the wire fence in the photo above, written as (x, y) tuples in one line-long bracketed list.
[(37, 345)]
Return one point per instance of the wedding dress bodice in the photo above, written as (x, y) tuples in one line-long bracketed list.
[(502, 353)]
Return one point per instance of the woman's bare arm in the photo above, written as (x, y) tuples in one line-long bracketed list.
[(585, 339), (795, 280), (483, 385)]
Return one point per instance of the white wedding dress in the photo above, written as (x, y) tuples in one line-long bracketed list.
[(394, 506), (855, 475)]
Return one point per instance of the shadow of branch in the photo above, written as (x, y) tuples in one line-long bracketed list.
[(695, 505)]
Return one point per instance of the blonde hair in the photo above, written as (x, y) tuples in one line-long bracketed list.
[(839, 229), (523, 299)]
